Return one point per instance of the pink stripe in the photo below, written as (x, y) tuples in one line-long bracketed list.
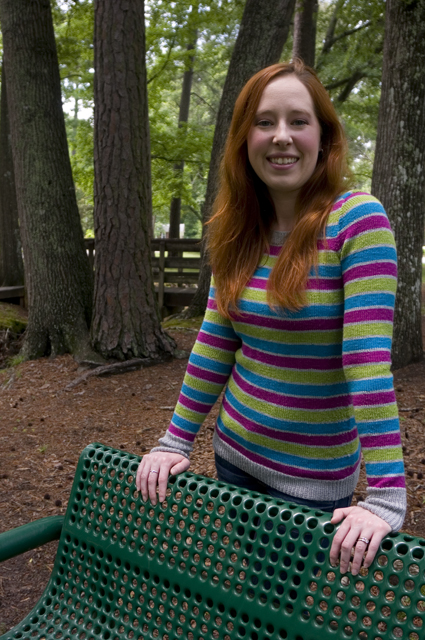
[(370, 270), (184, 435), (332, 402), (203, 374), (373, 222), (275, 249), (381, 441), (217, 342), (292, 362), (362, 357), (295, 438), (192, 405), (314, 474), (258, 283), (324, 284), (368, 315), (287, 324), (380, 398), (398, 482)]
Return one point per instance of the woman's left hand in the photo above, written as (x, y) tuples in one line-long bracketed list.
[(358, 523)]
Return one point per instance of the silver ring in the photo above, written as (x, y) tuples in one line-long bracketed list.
[(365, 540), (153, 471)]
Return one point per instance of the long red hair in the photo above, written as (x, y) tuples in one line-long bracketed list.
[(243, 212)]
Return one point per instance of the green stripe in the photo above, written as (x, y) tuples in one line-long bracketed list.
[(382, 455)]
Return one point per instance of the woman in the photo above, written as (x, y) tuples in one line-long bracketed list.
[(298, 325)]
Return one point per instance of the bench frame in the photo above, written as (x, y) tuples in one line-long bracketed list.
[(210, 562)]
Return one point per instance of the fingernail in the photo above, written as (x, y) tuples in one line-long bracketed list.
[(354, 572)]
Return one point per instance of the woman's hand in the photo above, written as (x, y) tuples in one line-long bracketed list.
[(154, 470), (358, 523)]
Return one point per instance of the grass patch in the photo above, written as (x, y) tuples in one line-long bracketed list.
[(13, 318), (174, 322)]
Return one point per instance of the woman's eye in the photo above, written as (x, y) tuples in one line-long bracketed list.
[(300, 123), (263, 123)]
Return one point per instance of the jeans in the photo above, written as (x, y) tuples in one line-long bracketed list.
[(231, 474)]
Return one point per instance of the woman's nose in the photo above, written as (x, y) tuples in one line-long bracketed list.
[(282, 134)]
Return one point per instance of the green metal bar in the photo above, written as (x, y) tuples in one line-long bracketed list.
[(30, 536)]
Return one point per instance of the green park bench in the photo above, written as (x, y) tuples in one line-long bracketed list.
[(211, 562)]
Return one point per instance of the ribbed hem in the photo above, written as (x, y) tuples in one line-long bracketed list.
[(173, 444), (389, 504), (309, 489)]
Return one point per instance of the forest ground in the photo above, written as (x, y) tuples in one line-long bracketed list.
[(44, 428)]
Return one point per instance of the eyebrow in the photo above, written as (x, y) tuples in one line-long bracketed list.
[(292, 112)]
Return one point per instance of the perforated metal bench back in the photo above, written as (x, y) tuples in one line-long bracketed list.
[(213, 562)]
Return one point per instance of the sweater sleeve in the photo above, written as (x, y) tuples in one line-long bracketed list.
[(369, 272), (208, 370)]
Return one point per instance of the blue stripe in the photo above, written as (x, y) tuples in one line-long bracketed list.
[(209, 364), (370, 299), (219, 330), (199, 396), (297, 350), (311, 311), (293, 389), (386, 253), (380, 469), (360, 343)]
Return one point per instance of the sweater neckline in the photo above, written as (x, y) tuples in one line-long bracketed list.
[(278, 237)]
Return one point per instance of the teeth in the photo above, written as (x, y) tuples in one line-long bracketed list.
[(283, 160)]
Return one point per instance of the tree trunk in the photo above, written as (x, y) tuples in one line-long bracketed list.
[(304, 45), (398, 172), (175, 208), (11, 265), (262, 34), (57, 272), (126, 321)]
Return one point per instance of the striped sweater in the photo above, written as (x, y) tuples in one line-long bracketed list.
[(307, 391)]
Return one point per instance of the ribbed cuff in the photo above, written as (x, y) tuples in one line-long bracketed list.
[(173, 444), (389, 504)]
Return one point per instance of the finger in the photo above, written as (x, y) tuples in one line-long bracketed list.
[(373, 549), (337, 542), (144, 475), (163, 481), (139, 475), (359, 551), (346, 549), (340, 514), (152, 480), (180, 467)]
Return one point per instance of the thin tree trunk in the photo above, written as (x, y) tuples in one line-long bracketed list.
[(57, 273), (263, 32), (398, 172), (175, 208), (304, 45), (12, 267), (126, 321)]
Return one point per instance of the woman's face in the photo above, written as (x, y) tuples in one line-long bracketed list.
[(284, 139)]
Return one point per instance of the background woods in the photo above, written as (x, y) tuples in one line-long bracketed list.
[(148, 158)]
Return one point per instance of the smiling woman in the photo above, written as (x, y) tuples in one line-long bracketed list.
[(299, 323), (284, 144)]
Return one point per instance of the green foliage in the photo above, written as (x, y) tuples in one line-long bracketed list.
[(354, 46), (352, 52)]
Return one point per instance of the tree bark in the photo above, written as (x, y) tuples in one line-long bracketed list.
[(263, 32), (11, 265), (304, 45), (57, 272), (175, 208), (398, 172), (126, 321)]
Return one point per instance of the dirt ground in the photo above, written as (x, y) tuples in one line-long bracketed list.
[(44, 428)]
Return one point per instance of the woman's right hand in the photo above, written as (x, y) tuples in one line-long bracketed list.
[(154, 470)]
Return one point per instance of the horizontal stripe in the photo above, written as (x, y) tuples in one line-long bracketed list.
[(304, 389)]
